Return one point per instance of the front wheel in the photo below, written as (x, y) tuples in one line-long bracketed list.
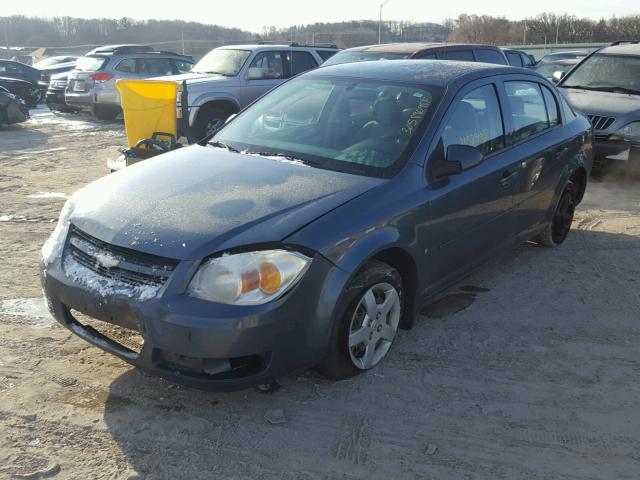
[(210, 118), (560, 225), (368, 328)]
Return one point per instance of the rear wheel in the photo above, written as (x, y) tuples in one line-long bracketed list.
[(369, 326), (560, 225)]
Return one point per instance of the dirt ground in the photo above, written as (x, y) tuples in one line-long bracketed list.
[(527, 369)]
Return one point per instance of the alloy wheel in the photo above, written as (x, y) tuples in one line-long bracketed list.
[(374, 325)]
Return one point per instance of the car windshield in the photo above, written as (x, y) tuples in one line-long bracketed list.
[(90, 64), (363, 56), (223, 61), (359, 126), (606, 73)]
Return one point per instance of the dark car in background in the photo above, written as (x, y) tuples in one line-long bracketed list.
[(12, 109), (54, 97), (519, 58), (52, 66), (425, 51), (605, 87), (20, 71), (28, 92), (317, 221), (549, 69)]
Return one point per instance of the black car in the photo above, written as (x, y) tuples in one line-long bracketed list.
[(55, 93), (317, 221), (519, 58), (54, 65), (21, 71), (22, 89), (12, 108)]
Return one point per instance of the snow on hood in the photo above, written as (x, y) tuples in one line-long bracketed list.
[(603, 103)]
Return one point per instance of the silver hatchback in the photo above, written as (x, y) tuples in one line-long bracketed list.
[(92, 84)]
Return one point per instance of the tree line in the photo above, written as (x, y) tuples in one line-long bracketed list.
[(544, 28)]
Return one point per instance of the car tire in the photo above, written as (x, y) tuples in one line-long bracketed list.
[(105, 113), (210, 118), (558, 228), (364, 334)]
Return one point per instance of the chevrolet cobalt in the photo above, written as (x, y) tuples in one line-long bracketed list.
[(315, 223)]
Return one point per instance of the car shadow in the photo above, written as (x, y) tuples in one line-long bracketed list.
[(519, 299), (16, 136)]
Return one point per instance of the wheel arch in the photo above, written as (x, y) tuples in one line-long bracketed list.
[(229, 103)]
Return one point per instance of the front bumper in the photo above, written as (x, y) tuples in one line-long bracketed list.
[(197, 343), (606, 148)]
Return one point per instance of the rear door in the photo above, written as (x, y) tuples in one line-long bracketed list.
[(472, 211), (265, 71), (536, 135)]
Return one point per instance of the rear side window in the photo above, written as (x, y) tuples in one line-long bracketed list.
[(128, 65), (300, 62), (552, 106), (428, 56), (91, 64), (528, 109), (462, 55), (326, 54), (156, 67), (489, 56), (9, 68), (476, 121), (514, 59)]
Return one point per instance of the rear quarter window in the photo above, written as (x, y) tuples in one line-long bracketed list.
[(461, 55), (91, 64), (514, 59)]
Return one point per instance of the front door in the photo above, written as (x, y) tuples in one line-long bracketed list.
[(266, 71), (472, 212)]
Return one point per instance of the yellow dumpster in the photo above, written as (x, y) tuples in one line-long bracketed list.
[(149, 106)]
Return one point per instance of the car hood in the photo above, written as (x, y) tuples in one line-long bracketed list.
[(199, 200), (602, 103), (195, 78)]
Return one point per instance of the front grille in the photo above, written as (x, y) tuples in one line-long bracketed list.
[(599, 122), (125, 337), (600, 138), (117, 263)]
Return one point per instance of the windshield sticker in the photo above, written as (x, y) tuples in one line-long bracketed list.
[(416, 116)]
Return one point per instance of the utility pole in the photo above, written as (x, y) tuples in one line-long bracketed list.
[(524, 33), (380, 21), (557, 30)]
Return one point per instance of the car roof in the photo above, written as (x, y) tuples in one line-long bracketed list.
[(622, 49), (567, 52), (428, 72), (413, 47), (273, 46)]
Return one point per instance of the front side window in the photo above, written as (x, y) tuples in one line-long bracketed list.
[(476, 121), (606, 73), (222, 61), (514, 59), (156, 67), (265, 66), (10, 68), (360, 126), (528, 110), (128, 65)]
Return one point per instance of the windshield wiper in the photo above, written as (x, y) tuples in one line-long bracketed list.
[(605, 88), (580, 87), (219, 144)]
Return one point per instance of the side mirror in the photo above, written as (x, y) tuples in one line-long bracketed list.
[(557, 76), (464, 156)]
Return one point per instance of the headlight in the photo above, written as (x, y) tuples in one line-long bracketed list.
[(630, 131), (249, 278), (52, 248)]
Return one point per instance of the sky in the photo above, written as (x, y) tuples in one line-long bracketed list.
[(253, 15)]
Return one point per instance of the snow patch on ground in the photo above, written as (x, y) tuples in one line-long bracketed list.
[(48, 195), (22, 219), (34, 308), (39, 152)]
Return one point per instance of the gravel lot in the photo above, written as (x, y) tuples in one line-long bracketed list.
[(527, 369)]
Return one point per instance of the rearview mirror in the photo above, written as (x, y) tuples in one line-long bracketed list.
[(558, 75)]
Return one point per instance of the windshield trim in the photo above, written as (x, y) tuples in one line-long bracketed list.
[(436, 92)]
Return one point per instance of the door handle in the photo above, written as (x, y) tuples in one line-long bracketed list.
[(508, 176)]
